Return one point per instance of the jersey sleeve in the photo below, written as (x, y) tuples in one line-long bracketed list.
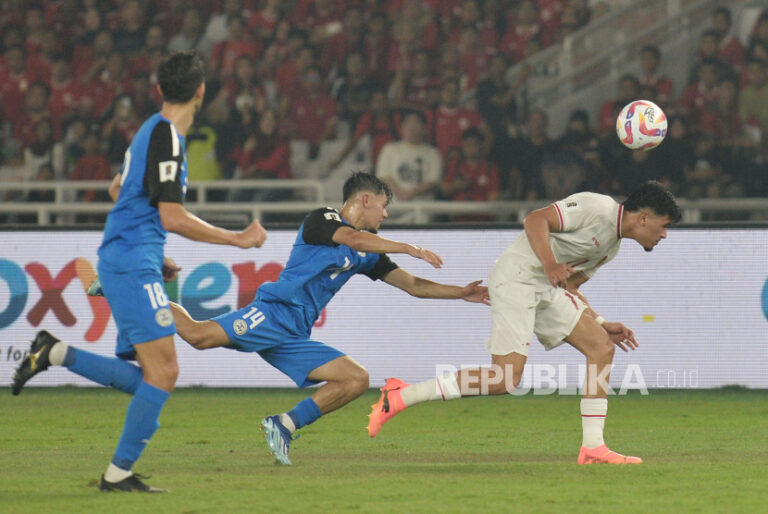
[(162, 178), (573, 212), (383, 266), (320, 226)]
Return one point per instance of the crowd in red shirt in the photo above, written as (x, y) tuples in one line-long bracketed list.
[(310, 65)]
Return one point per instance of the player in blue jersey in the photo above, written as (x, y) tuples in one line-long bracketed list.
[(150, 193), (330, 248)]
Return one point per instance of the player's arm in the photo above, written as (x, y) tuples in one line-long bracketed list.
[(538, 225), (423, 288), (372, 243), (114, 187), (163, 183), (619, 333)]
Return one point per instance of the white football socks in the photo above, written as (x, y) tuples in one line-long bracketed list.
[(287, 422), (115, 474), (58, 353), (444, 387), (593, 411)]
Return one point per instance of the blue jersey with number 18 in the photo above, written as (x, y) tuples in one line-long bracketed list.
[(154, 170)]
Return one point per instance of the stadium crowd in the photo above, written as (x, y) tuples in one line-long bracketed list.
[(422, 81)]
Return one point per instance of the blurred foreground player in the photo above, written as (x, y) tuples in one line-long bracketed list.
[(149, 192), (330, 248), (534, 288)]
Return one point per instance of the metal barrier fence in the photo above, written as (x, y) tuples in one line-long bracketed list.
[(65, 207)]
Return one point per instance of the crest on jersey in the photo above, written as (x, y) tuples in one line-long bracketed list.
[(164, 317), (240, 327)]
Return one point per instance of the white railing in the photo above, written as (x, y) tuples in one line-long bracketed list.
[(61, 211), (582, 71)]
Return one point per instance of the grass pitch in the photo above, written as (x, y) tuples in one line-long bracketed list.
[(704, 451)]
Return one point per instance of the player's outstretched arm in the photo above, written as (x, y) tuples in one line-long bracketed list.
[(372, 243), (423, 288), (175, 218)]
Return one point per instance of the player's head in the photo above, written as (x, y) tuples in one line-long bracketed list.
[(365, 199), (653, 209), (181, 78)]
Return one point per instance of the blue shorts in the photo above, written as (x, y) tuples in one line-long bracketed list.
[(270, 330), (139, 306)]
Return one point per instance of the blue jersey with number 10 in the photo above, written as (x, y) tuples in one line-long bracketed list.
[(154, 170)]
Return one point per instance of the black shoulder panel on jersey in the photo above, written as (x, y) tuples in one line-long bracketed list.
[(383, 266), (162, 178), (320, 225)]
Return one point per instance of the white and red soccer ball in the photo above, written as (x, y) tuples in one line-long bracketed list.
[(641, 125)]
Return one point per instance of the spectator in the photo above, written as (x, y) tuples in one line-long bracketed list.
[(120, 127), (525, 28), (628, 89), (262, 23), (35, 110), (132, 30), (377, 123), (353, 91), (336, 46), (472, 16), (264, 155), (729, 46), (698, 96), (524, 182), (15, 80), (650, 58), (475, 58), (238, 44), (753, 100), (313, 114), (449, 120), (93, 165), (471, 177), (64, 101), (190, 37), (74, 141), (44, 150), (203, 162), (288, 76), (377, 46), (217, 29), (721, 118), (409, 89), (411, 167)]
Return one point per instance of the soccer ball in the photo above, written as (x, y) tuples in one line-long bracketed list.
[(641, 125)]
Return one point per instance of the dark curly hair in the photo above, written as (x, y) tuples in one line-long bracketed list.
[(653, 195)]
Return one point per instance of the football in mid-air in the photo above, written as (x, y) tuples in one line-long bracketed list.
[(641, 125)]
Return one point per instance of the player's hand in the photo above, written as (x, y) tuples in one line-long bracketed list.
[(558, 274), (170, 270), (475, 293), (621, 336), (425, 255), (253, 235)]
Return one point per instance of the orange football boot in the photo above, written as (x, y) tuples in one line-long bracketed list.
[(390, 403)]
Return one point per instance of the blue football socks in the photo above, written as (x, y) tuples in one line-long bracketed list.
[(141, 421), (107, 371), (305, 412)]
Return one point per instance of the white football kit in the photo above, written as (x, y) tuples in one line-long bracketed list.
[(522, 300)]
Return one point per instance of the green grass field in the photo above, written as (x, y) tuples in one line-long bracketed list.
[(704, 451)]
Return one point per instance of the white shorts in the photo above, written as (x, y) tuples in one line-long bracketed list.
[(518, 310)]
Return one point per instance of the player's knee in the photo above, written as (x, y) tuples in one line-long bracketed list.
[(359, 380), (604, 350)]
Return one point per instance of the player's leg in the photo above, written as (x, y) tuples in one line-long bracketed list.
[(46, 350), (309, 362), (593, 341), (512, 321), (502, 377), (158, 362), (201, 335)]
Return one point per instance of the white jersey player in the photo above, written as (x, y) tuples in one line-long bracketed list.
[(534, 288)]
